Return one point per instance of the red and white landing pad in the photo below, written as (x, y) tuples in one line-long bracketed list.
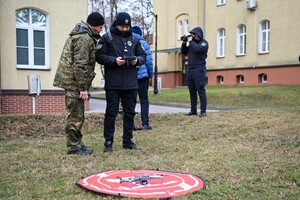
[(142, 183)]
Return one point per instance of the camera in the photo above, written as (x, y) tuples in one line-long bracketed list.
[(129, 58), (185, 37)]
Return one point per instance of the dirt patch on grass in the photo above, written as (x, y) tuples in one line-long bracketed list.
[(20, 126)]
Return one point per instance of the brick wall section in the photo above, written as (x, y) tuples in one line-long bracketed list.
[(21, 103)]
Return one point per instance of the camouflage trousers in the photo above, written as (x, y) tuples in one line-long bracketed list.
[(73, 120)]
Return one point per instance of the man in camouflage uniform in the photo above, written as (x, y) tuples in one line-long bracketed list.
[(75, 74)]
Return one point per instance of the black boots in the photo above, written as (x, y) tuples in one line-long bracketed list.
[(191, 113), (82, 151), (108, 146), (131, 146)]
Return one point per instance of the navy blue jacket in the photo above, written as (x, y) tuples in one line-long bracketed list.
[(197, 50), (119, 45), (146, 70)]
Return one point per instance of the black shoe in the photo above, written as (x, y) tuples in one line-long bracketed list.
[(81, 151), (203, 114), (131, 146), (86, 148), (147, 127), (107, 146), (191, 113)]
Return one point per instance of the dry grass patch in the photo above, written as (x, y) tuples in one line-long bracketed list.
[(242, 154)]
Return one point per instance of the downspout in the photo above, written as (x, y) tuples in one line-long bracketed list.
[(203, 17), (255, 39)]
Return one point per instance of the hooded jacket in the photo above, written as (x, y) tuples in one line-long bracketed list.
[(76, 66), (117, 44), (197, 50), (146, 70)]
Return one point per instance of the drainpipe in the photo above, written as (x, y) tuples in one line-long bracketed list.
[(255, 39), (204, 17)]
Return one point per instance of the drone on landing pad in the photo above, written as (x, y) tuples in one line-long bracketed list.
[(141, 180)]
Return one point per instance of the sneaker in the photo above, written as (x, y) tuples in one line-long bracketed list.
[(191, 113), (131, 146), (107, 146), (147, 127), (80, 151), (203, 114)]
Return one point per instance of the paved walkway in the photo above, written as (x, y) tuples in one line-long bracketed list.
[(98, 105)]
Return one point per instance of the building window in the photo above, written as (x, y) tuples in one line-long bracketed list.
[(263, 78), (221, 2), (220, 79), (240, 79), (221, 43), (32, 39), (179, 29), (241, 40), (186, 27), (264, 37)]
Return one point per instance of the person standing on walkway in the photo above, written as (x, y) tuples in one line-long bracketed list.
[(145, 72), (196, 73), (75, 74), (121, 53)]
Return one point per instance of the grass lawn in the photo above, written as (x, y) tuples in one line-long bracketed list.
[(241, 154)]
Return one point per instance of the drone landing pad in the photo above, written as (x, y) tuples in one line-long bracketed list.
[(142, 183)]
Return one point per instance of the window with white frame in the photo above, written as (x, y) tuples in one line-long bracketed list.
[(221, 2), (221, 42), (220, 79), (179, 29), (186, 27), (264, 37), (241, 40), (263, 78), (240, 79), (32, 37)]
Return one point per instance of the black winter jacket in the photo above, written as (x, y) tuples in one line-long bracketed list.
[(119, 45), (197, 50)]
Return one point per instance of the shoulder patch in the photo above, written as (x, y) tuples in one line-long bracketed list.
[(203, 44), (99, 46)]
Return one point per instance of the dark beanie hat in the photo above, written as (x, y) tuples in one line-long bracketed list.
[(137, 30), (123, 18), (95, 19)]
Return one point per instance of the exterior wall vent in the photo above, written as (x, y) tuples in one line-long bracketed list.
[(251, 4)]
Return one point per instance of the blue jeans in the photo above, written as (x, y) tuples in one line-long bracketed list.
[(143, 96), (196, 79)]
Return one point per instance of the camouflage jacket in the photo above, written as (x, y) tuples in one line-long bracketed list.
[(76, 66)]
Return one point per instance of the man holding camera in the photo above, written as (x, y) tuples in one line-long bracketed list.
[(121, 54), (196, 73)]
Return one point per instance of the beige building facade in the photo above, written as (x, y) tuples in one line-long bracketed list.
[(31, 40), (251, 42)]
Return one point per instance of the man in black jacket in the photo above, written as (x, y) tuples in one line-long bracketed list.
[(121, 54), (196, 73)]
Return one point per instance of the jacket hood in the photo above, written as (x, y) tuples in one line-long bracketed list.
[(138, 36), (197, 31), (84, 28)]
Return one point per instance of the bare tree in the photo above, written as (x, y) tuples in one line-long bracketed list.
[(138, 9)]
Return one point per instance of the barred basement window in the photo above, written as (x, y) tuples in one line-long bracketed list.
[(240, 79), (220, 79), (263, 78)]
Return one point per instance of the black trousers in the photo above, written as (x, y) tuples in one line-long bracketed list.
[(143, 96), (196, 80), (128, 100)]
